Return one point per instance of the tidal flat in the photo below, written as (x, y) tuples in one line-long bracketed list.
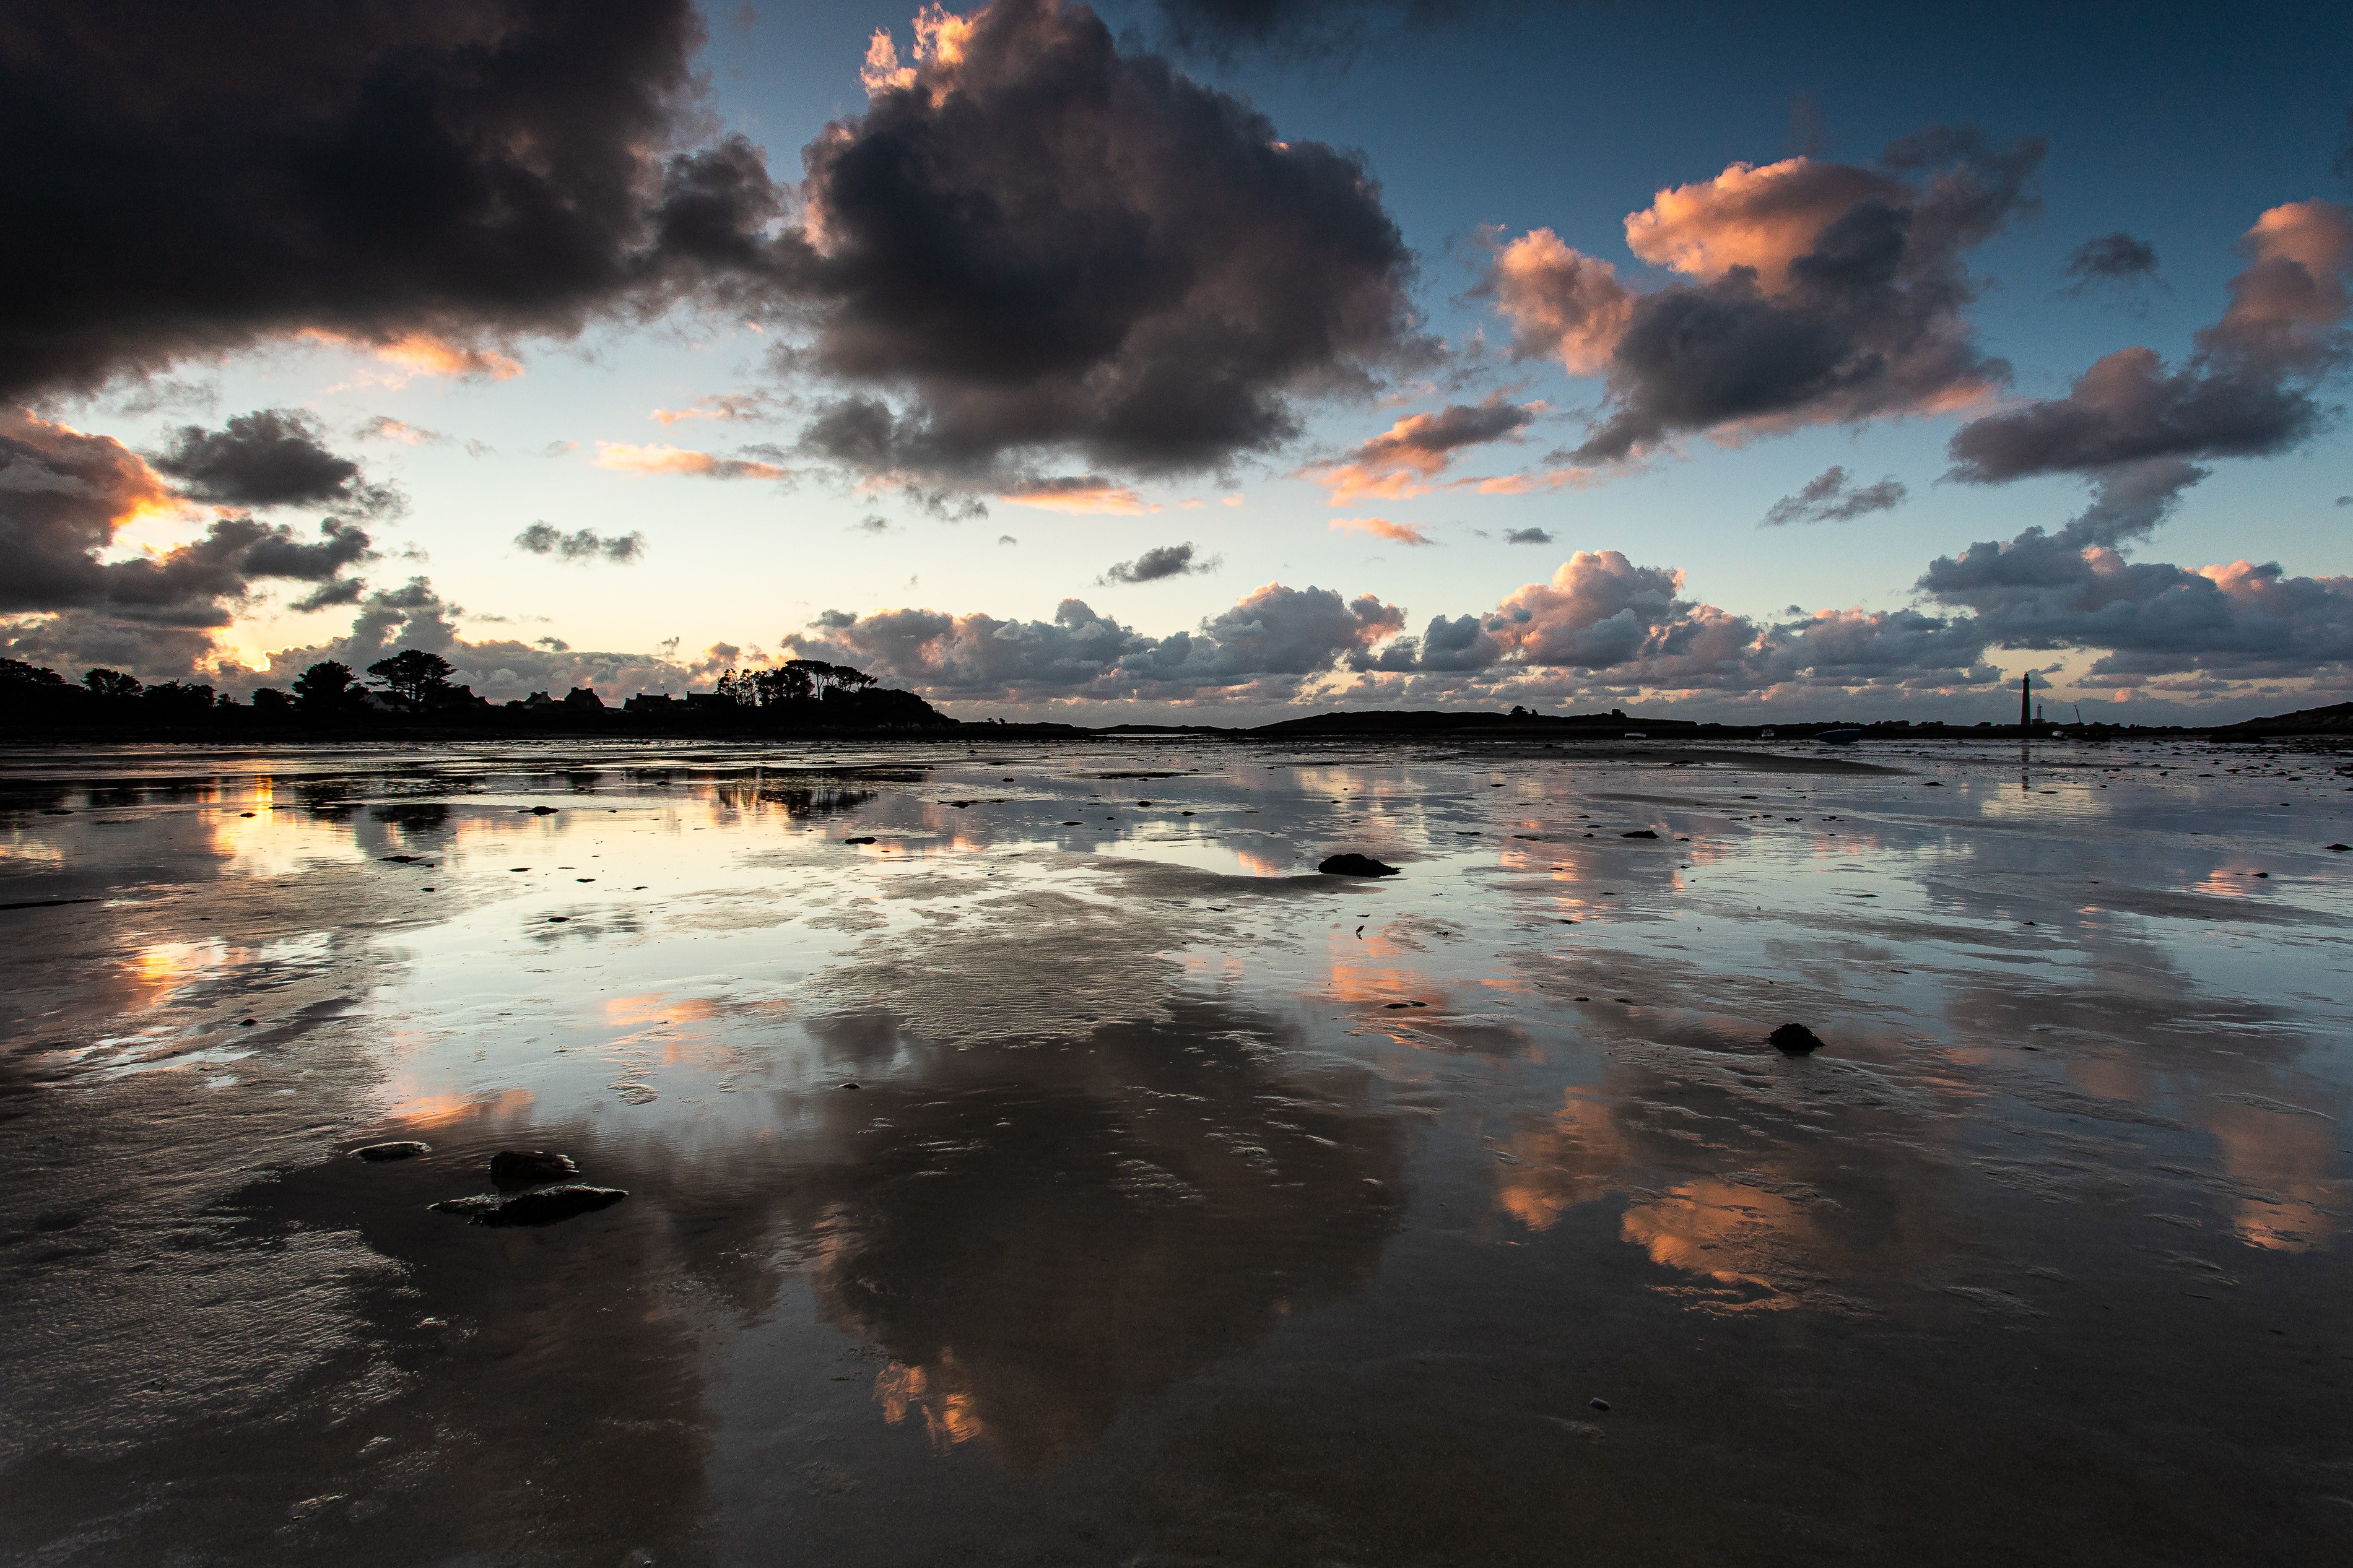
[(1031, 1158)]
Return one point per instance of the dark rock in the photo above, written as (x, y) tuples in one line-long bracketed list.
[(1355, 866), (375, 1154), (543, 811), (849, 1085), (400, 860), (548, 1206), (868, 839), (473, 1203), (1599, 1403), (1639, 832), (528, 1167), (2341, 848), (1795, 1040)]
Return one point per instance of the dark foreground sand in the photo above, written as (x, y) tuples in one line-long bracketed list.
[(1189, 1207)]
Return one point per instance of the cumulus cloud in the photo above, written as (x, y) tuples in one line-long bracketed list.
[(1810, 292), (1161, 562), (1382, 527), (1602, 617), (1527, 536), (430, 180), (66, 496), (1263, 648), (414, 614), (2138, 430), (1031, 244), (1403, 460), (1829, 497), (661, 458), (2235, 622), (2115, 260), (583, 545)]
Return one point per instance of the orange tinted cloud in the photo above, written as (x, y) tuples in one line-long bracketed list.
[(1399, 532), (1087, 498), (662, 458), (1763, 218), (423, 354), (1403, 459), (1561, 302)]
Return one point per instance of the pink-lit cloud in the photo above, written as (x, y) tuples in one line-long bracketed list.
[(1405, 459), (1382, 527), (1803, 293), (663, 459)]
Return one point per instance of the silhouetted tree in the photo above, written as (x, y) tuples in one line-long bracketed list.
[(416, 679), (324, 687), (112, 685), (16, 673), (269, 699), (177, 699)]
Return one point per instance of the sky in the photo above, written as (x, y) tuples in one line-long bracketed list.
[(1208, 360)]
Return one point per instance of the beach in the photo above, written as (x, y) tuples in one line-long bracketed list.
[(1031, 1157)]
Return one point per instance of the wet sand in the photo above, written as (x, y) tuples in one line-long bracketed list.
[(1070, 1174)]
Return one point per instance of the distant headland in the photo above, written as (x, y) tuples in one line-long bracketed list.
[(409, 696)]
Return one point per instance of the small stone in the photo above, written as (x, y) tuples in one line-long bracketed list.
[(547, 1205), (2341, 848), (868, 839), (1599, 1403), (527, 1167), (1639, 832), (849, 1085), (543, 811), (472, 1204), (1355, 866), (1795, 1040), (377, 1153)]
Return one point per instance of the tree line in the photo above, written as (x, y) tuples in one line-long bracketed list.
[(415, 686)]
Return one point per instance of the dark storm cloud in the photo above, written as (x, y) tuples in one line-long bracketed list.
[(270, 457), (1829, 497), (2136, 429), (1162, 561), (1823, 293), (583, 545), (183, 182), (1036, 244), (2111, 259), (1527, 536)]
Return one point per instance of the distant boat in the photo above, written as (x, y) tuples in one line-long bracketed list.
[(1839, 737)]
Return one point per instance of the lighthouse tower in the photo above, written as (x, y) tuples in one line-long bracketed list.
[(2025, 710)]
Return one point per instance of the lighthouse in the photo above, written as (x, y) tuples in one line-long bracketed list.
[(2025, 712)]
